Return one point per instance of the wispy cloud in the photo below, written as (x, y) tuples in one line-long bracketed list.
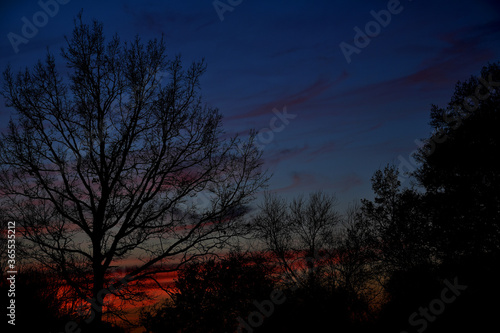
[(276, 157), (295, 99), (299, 181)]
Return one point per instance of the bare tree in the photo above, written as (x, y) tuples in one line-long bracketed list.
[(296, 233), (112, 162)]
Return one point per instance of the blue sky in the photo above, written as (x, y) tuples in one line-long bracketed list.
[(349, 119)]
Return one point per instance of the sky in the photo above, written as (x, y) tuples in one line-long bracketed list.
[(329, 109)]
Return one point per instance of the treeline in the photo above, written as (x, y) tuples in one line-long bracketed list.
[(419, 257)]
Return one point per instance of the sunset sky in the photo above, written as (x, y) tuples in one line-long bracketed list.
[(345, 118)]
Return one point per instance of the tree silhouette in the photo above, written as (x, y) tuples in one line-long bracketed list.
[(355, 265), (460, 173), (209, 296), (39, 303), (384, 244), (460, 170), (324, 271), (397, 223), (297, 233), (110, 161)]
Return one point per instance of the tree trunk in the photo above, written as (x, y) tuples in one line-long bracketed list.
[(98, 295)]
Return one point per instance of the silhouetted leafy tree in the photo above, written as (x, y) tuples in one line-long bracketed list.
[(384, 244), (398, 224), (39, 303), (306, 310), (460, 170), (210, 295), (111, 160), (354, 265)]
